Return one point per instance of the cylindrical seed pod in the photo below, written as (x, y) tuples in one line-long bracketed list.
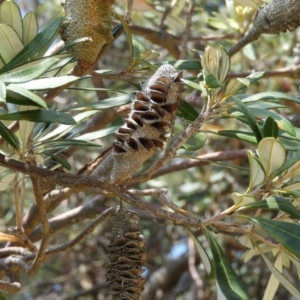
[(91, 19), (127, 255), (146, 129)]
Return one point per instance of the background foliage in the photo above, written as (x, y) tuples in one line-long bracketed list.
[(238, 174)]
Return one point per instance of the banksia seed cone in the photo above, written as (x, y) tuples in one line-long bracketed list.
[(145, 130), (87, 18), (126, 254)]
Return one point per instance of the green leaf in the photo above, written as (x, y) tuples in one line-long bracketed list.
[(240, 135), (285, 233), (183, 64), (276, 203), (2, 297), (28, 73), (288, 163), (10, 14), (282, 122), (271, 154), (98, 134), (271, 96), (30, 28), (211, 81), (201, 251), (43, 116), (192, 84), (36, 45), (63, 144), (11, 44), (138, 47), (250, 118), (47, 83), (228, 281), (61, 161), (8, 136), (270, 128), (187, 112), (196, 142), (36, 100)]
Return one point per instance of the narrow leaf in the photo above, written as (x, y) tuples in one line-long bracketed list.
[(35, 45), (285, 233), (271, 96), (187, 112), (250, 118), (27, 94), (30, 28), (270, 128), (288, 163), (47, 83), (228, 281), (257, 173), (28, 73), (2, 91), (11, 44), (8, 136), (196, 142), (278, 203), (281, 278), (6, 180), (240, 135), (10, 14), (43, 116), (201, 251)]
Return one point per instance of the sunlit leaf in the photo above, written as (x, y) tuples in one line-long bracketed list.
[(2, 91), (10, 14), (35, 45), (257, 173), (271, 96), (273, 283), (287, 234), (30, 28), (8, 136), (13, 88), (11, 44), (196, 142), (47, 83), (28, 73), (228, 281), (192, 84), (241, 199), (106, 103), (98, 134), (288, 163), (44, 116), (281, 278), (25, 127), (202, 252), (278, 203), (271, 154), (6, 180), (292, 187)]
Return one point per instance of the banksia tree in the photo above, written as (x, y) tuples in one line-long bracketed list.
[(145, 130), (127, 255), (91, 19)]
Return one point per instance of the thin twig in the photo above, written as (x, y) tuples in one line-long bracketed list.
[(17, 204), (128, 12), (186, 35), (45, 225)]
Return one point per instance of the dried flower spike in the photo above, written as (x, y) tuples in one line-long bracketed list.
[(146, 129), (91, 19), (127, 255)]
